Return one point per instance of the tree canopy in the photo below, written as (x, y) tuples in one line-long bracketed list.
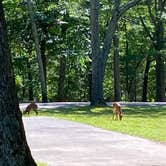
[(77, 69)]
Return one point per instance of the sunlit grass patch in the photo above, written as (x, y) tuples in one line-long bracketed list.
[(41, 164)]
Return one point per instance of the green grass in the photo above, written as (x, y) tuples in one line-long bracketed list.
[(41, 164), (147, 122)]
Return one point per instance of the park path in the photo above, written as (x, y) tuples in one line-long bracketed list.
[(66, 143), (52, 105)]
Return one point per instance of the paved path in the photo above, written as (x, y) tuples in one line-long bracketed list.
[(66, 143), (52, 105)]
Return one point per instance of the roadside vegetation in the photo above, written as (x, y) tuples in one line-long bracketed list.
[(146, 122)]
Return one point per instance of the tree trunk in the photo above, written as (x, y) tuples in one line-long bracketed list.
[(30, 84), (61, 81), (160, 84), (38, 52), (160, 73), (89, 75), (96, 88), (14, 149), (145, 80), (44, 58), (99, 58), (117, 89), (23, 88), (97, 82), (158, 42)]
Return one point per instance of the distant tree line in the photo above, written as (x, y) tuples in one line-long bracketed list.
[(88, 50)]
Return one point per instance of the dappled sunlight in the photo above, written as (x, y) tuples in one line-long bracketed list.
[(79, 111), (148, 122), (145, 112)]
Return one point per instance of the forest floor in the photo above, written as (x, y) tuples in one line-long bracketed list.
[(67, 143)]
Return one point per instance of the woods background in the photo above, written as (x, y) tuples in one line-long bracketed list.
[(133, 68)]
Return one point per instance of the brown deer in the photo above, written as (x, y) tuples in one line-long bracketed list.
[(32, 106), (117, 112)]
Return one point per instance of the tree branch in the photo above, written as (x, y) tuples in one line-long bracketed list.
[(163, 4), (127, 6), (148, 2), (111, 28), (146, 29)]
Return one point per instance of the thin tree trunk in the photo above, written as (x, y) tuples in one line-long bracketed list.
[(38, 52), (30, 83), (23, 88), (89, 70), (145, 80), (44, 58), (160, 72), (127, 70), (160, 84), (61, 81), (14, 149), (117, 89)]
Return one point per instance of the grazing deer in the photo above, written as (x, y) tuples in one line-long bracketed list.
[(32, 106), (117, 112)]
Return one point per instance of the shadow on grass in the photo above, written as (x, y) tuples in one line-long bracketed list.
[(134, 111), (146, 111), (87, 110)]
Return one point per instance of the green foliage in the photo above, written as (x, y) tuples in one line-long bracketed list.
[(19, 81), (65, 28)]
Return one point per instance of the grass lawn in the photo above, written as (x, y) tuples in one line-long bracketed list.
[(41, 164), (147, 122)]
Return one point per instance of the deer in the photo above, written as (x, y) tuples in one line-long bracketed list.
[(117, 111)]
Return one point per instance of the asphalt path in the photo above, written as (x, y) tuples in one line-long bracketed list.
[(52, 105), (66, 143)]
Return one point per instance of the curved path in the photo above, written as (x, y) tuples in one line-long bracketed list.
[(66, 143), (52, 105)]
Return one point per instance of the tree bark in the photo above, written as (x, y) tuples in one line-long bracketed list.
[(30, 83), (97, 64), (160, 73), (44, 58), (89, 75), (14, 149), (160, 80), (145, 80), (61, 81)]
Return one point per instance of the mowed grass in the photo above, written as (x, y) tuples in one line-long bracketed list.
[(41, 164), (147, 122)]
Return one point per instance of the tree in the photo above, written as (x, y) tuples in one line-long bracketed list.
[(14, 149), (97, 65), (156, 11), (100, 56), (42, 73), (30, 85), (145, 78), (117, 89)]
